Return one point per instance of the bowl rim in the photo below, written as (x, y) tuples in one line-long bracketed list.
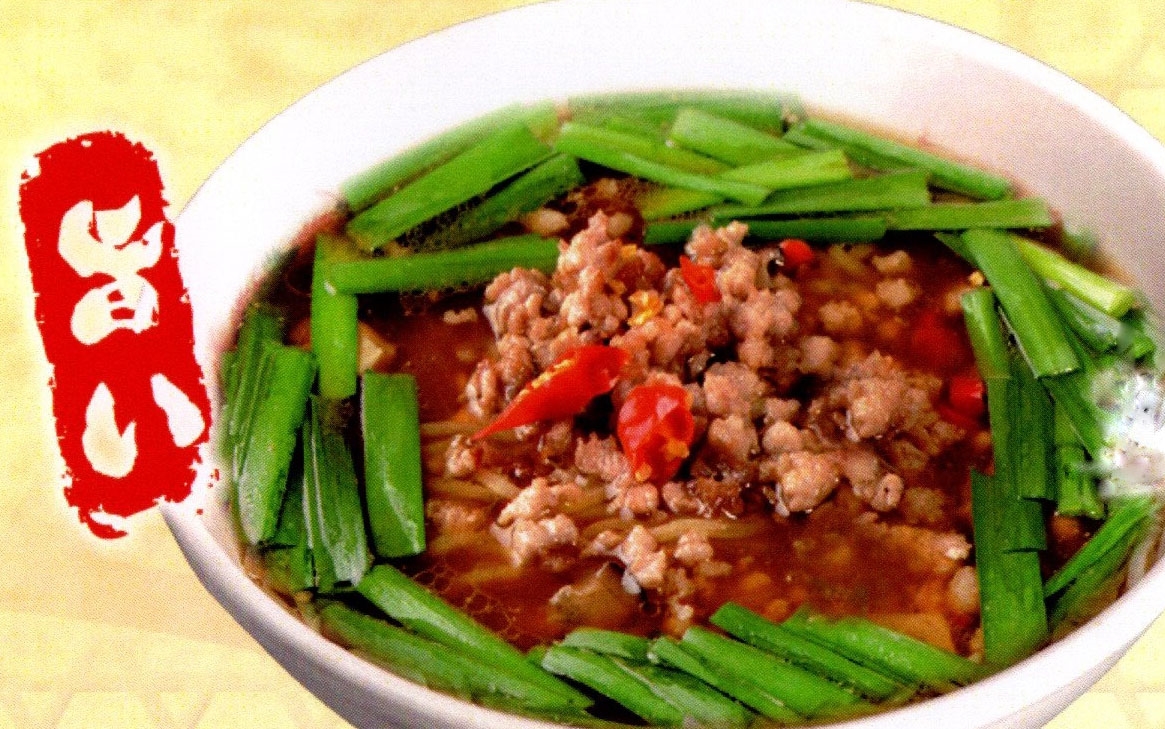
[(992, 699)]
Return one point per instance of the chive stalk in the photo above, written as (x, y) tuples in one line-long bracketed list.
[(334, 331), (884, 192), (531, 190), (1030, 212), (247, 375), (1076, 493), (1097, 330), (609, 642), (813, 230), (1125, 516), (430, 663), (665, 202), (443, 269), (385, 178), (725, 139), (1038, 329), (1114, 299), (1012, 610), (503, 154), (390, 424), (278, 411), (602, 674), (882, 153), (763, 111), (755, 630), (1032, 419), (332, 509), (1096, 585), (578, 135), (698, 701), (887, 650), (288, 553), (670, 652), (427, 615), (805, 693), (801, 169), (622, 161)]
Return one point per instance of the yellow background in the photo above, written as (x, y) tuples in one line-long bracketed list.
[(119, 635)]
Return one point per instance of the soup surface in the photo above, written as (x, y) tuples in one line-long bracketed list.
[(631, 435)]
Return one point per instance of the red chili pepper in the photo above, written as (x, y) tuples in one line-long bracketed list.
[(968, 394), (655, 428), (564, 389), (797, 252), (936, 343), (955, 416), (701, 279)]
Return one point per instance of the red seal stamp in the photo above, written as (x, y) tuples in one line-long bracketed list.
[(129, 401)]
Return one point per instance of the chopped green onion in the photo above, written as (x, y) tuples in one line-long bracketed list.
[(383, 179), (577, 135), (444, 269), (614, 158), (1011, 599), (1032, 419), (819, 230), (1114, 299), (278, 411), (724, 139), (1038, 329), (767, 635), (805, 693), (1096, 329), (333, 511), (883, 153), (1124, 517), (986, 334), (531, 190), (1076, 493), (610, 642), (698, 701), (1030, 212), (813, 230), (424, 613), (670, 652), (884, 192), (887, 650), (800, 169), (602, 674), (334, 338), (498, 157), (430, 663), (247, 375), (390, 423), (664, 202), (764, 111)]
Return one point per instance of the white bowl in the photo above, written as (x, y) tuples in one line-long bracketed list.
[(892, 70)]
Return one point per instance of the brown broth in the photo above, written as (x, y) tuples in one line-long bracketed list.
[(816, 559)]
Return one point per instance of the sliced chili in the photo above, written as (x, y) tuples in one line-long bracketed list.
[(655, 428), (701, 279), (797, 252), (968, 394), (564, 389), (936, 343)]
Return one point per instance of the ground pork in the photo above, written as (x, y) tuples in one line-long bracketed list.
[(747, 361), (527, 538)]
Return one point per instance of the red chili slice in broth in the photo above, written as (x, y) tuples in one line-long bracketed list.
[(564, 389), (655, 428)]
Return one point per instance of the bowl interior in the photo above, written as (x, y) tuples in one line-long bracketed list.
[(923, 80)]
